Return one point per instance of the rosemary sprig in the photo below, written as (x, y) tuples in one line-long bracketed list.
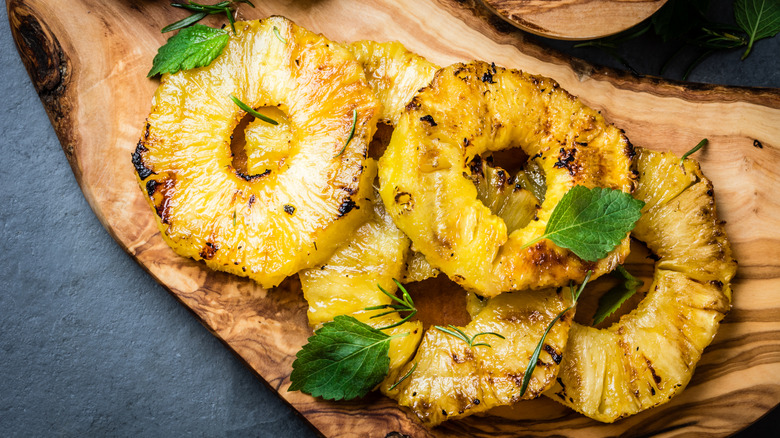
[(200, 11), (404, 304), (529, 370), (460, 334), (278, 35), (701, 144), (252, 111), (351, 133), (406, 376)]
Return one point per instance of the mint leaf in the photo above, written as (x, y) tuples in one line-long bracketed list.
[(758, 18), (345, 359), (615, 297), (592, 222), (192, 47)]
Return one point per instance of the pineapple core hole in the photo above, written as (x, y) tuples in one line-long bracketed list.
[(640, 264), (259, 147), (439, 301)]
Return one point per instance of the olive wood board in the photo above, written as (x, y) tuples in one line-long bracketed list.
[(574, 19), (88, 60)]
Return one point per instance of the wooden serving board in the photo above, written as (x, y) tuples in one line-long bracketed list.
[(88, 60)]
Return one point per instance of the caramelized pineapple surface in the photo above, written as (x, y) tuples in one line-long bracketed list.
[(467, 111), (650, 354), (269, 225), (450, 379)]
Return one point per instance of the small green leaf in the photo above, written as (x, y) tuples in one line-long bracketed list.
[(591, 222), (701, 144), (351, 133), (279, 35), (406, 376), (460, 334), (758, 18), (192, 19), (192, 47), (344, 359), (252, 111), (615, 297)]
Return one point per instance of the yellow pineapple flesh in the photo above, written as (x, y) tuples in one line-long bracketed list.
[(649, 355), (349, 281), (464, 112), (269, 225), (449, 379)]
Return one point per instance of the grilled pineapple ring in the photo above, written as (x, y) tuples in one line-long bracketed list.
[(470, 109), (269, 225), (649, 355)]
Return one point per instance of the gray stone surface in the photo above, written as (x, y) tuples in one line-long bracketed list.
[(90, 345)]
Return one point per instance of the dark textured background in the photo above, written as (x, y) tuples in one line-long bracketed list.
[(91, 345)]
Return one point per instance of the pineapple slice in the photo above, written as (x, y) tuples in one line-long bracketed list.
[(349, 281), (449, 379), (649, 355), (464, 112), (269, 225), (346, 284), (394, 73)]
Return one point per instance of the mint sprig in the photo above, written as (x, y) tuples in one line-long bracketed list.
[(345, 359), (591, 222), (615, 297), (192, 47)]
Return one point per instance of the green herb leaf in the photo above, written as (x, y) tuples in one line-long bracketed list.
[(591, 222), (252, 111), (460, 334), (192, 47), (701, 144), (279, 35), (192, 19), (615, 297), (758, 18), (405, 304), (529, 370), (351, 133), (406, 376), (344, 359)]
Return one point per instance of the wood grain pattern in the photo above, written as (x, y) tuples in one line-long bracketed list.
[(88, 60), (574, 19)]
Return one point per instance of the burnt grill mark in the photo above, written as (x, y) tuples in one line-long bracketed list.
[(629, 150), (476, 167), (208, 252), (493, 66), (487, 78), (414, 104), (404, 199), (163, 208), (246, 177), (252, 200), (428, 118), (138, 161), (656, 378), (554, 354), (289, 209), (757, 144), (566, 160), (151, 187), (346, 206)]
